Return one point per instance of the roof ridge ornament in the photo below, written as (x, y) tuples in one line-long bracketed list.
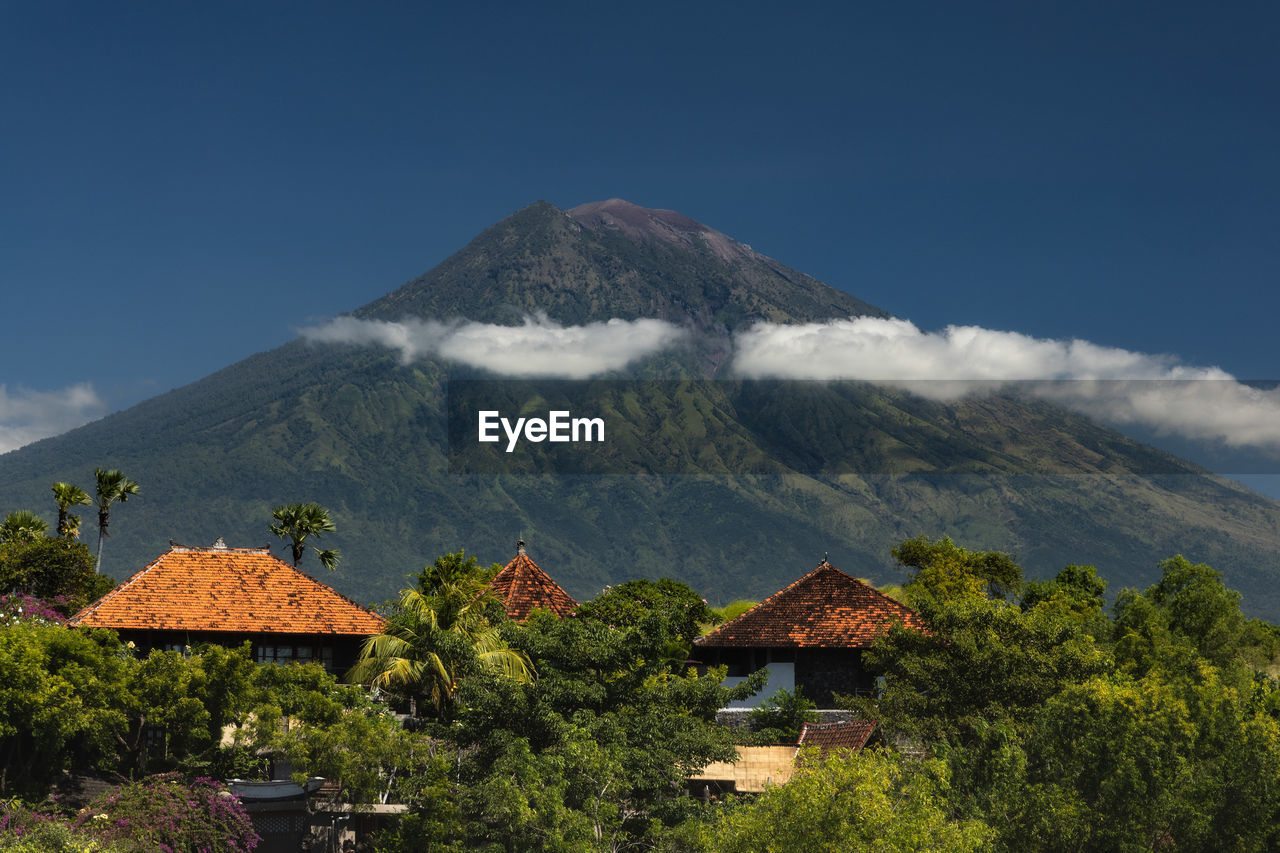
[(220, 544), (520, 547)]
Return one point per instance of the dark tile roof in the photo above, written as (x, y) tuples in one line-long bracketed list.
[(74, 791), (824, 609), (851, 735), (241, 590), (523, 587)]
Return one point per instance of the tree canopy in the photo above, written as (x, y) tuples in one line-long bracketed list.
[(302, 521), (1042, 720)]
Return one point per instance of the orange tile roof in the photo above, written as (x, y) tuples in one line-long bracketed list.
[(523, 586), (825, 609), (851, 735), (242, 590)]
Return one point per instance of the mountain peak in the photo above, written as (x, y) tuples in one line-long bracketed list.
[(611, 259), (643, 224)]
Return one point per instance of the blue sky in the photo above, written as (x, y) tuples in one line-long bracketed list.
[(187, 184)]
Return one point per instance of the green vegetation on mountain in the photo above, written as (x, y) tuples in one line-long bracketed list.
[(844, 469)]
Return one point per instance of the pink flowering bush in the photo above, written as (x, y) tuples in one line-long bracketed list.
[(20, 607), (167, 815)]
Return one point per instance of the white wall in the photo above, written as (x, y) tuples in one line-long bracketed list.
[(780, 675)]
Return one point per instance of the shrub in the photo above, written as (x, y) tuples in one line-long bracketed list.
[(25, 831), (20, 607), (780, 717), (167, 815)]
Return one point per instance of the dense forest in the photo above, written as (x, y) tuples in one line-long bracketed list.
[(1031, 716)]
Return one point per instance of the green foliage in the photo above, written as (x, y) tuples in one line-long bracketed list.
[(67, 495), (1067, 731), (339, 733), (1041, 724), (869, 801), (780, 717), (51, 569), (438, 634), (300, 522), (22, 526), (627, 605), (1191, 612), (1079, 586), (455, 582), (732, 610), (982, 661), (23, 830), (594, 754), (64, 698), (454, 569), (946, 570), (112, 487), (78, 700)]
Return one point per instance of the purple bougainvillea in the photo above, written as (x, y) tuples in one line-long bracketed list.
[(166, 813), (19, 607)]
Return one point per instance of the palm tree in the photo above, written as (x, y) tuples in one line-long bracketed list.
[(22, 526), (300, 522), (113, 487), (67, 495), (435, 638)]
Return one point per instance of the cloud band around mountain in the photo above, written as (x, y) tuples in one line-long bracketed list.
[(27, 416), (1111, 384), (537, 348)]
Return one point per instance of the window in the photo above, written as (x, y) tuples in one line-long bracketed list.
[(302, 654)]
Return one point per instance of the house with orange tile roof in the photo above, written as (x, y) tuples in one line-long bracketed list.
[(523, 586), (223, 595), (809, 635), (826, 738)]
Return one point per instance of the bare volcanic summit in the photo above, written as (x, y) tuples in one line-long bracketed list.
[(642, 223)]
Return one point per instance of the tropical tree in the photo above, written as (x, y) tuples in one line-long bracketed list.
[(22, 525), (434, 640), (303, 521), (945, 570), (56, 570), (113, 487), (68, 495), (445, 628)]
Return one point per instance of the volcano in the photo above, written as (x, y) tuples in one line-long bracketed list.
[(363, 431)]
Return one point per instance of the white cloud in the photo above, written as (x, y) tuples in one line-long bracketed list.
[(27, 416), (1156, 391), (539, 347), (413, 339)]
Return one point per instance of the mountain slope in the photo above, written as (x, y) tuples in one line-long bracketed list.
[(855, 469)]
